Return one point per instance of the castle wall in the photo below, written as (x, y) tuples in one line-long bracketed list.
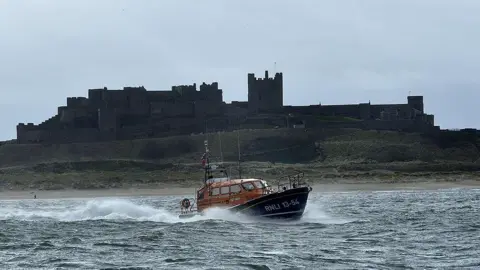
[(365, 111), (240, 104), (115, 99), (132, 120), (430, 118), (51, 123), (76, 102), (107, 120), (138, 103), (404, 110), (233, 110), (159, 96), (214, 96), (326, 110), (407, 125), (187, 92), (168, 109), (341, 110), (95, 96), (206, 108), (304, 110)]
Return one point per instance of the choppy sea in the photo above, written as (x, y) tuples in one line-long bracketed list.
[(345, 230)]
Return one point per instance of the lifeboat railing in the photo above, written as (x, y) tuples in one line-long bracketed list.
[(292, 181)]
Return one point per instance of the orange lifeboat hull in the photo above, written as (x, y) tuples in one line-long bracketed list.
[(289, 204)]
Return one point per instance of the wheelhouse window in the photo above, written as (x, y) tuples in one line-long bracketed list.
[(235, 189), (215, 191), (225, 190), (248, 186), (258, 184), (264, 183), (200, 194)]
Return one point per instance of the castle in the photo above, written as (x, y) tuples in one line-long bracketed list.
[(134, 113)]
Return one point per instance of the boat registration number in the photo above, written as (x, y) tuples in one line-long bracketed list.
[(284, 204)]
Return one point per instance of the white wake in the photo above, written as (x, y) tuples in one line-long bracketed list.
[(123, 209)]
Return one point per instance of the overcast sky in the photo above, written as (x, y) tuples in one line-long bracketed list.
[(333, 52)]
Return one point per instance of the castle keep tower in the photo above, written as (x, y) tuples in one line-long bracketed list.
[(416, 102), (265, 95)]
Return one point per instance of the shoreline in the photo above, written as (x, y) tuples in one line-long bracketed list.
[(340, 186)]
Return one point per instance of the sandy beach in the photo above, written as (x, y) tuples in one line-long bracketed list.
[(94, 193), (190, 191)]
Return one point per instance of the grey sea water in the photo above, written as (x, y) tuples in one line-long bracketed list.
[(351, 230)]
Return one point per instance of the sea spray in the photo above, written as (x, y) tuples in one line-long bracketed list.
[(137, 210), (315, 213)]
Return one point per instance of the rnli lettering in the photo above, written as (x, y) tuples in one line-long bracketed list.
[(278, 206), (272, 207)]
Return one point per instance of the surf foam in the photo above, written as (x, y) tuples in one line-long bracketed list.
[(124, 209)]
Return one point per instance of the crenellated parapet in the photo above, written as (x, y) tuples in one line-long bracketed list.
[(277, 76), (75, 102), (134, 88), (27, 127), (185, 89), (209, 87)]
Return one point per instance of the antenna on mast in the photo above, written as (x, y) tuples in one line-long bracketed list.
[(239, 157), (206, 160), (221, 152)]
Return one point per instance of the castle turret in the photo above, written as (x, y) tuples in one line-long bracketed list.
[(416, 102), (265, 95)]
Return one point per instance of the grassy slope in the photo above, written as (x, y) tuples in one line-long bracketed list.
[(334, 153)]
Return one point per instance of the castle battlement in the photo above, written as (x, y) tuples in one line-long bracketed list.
[(209, 87), (185, 89), (134, 88), (278, 76), (77, 101), (28, 126)]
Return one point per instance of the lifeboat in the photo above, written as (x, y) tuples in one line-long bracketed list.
[(251, 196)]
